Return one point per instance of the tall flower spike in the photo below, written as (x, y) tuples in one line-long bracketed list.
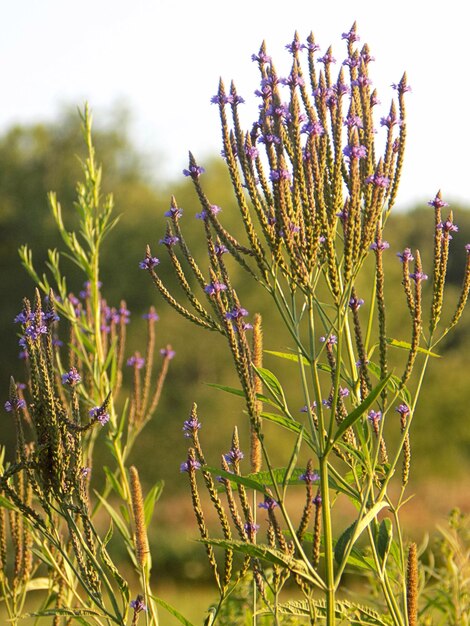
[(255, 451), (141, 539)]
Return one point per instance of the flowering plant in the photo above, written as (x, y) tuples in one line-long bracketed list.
[(314, 190)]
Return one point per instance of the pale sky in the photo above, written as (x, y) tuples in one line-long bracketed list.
[(164, 58)]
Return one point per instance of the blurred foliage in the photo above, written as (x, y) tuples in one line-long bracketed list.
[(42, 157)]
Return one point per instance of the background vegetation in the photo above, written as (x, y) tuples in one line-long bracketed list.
[(42, 157)]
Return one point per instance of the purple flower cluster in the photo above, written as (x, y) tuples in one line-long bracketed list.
[(355, 303), (212, 289), (310, 477), (136, 361), (405, 256), (167, 353), (233, 456), (169, 240), (19, 404), (269, 503), (174, 212), (190, 464), (71, 378), (213, 210), (99, 414), (194, 171), (191, 426), (138, 604), (149, 263)]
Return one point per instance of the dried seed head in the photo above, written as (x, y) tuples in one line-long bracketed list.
[(141, 539)]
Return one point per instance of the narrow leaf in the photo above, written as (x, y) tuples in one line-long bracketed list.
[(355, 415), (384, 538), (172, 611), (395, 343), (150, 500)]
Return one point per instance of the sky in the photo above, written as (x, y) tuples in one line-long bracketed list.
[(163, 59)]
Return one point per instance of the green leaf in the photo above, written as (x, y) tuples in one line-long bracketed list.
[(114, 482), (6, 504), (289, 356), (384, 538), (353, 532), (249, 483), (272, 383), (289, 424), (293, 460), (239, 392), (39, 584), (117, 519), (394, 384), (355, 415), (395, 343), (150, 500), (172, 611), (271, 555)]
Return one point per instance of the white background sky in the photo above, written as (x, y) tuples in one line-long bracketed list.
[(164, 58)]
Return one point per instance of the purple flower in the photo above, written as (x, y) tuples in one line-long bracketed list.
[(99, 414), (221, 98), (167, 353), (361, 81), (22, 318), (212, 289), (191, 426), (138, 604), (295, 46), (405, 255), (448, 227), (280, 174), (149, 263), (313, 128), (438, 202), (418, 276), (236, 313), (390, 121), (355, 152), (34, 331), (353, 121), (269, 504), (19, 404), (310, 476), (378, 180), (401, 87), (351, 36), (190, 464), (317, 500), (251, 529), (379, 245), (234, 456), (326, 58), (169, 240), (374, 416), (194, 171), (467, 248), (251, 152), (262, 57), (151, 315), (213, 210), (403, 409), (174, 212), (269, 138), (136, 361), (355, 303), (313, 406), (71, 378), (85, 472), (220, 249), (330, 341), (343, 392)]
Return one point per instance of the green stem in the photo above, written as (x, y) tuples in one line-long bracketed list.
[(330, 590)]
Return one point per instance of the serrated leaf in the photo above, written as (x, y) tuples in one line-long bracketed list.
[(172, 611), (358, 412)]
